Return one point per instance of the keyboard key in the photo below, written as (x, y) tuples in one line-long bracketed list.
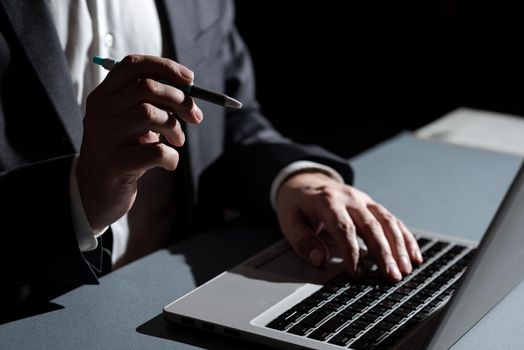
[(322, 294), (419, 298), (303, 308), (373, 334), (292, 315), (341, 339), (279, 324), (394, 318), (375, 294), (360, 324), (357, 306), (426, 292), (316, 318), (313, 301), (440, 245), (335, 323), (333, 306), (385, 325), (420, 278), (348, 313), (350, 293), (396, 296), (360, 286), (387, 303), (368, 317), (350, 331), (299, 329), (422, 241), (404, 291), (402, 311), (361, 344), (377, 310), (410, 304), (411, 285), (320, 334), (384, 288)]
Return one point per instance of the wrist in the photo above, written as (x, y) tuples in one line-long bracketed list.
[(104, 201), (303, 179)]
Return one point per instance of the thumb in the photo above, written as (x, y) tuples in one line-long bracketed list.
[(306, 244)]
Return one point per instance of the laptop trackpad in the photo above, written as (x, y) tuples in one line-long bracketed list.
[(288, 263)]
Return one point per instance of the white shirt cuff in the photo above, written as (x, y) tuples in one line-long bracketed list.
[(296, 167), (85, 235)]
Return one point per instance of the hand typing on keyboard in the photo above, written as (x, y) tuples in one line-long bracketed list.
[(309, 203)]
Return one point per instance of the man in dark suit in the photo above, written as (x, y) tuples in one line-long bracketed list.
[(134, 124)]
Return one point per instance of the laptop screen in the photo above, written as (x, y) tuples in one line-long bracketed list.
[(493, 273)]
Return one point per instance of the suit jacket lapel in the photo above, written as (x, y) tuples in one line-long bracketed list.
[(34, 27), (181, 17)]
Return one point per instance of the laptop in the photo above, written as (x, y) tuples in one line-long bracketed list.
[(276, 299)]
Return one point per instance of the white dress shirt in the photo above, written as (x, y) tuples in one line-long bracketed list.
[(88, 28)]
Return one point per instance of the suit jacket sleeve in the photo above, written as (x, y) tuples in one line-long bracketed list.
[(254, 151), (39, 250)]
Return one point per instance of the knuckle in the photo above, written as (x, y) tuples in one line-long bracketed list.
[(160, 151), (355, 255), (385, 253), (181, 139), (372, 226), (166, 156), (328, 195), (132, 59), (147, 112), (172, 122), (149, 86), (346, 227), (179, 99), (389, 218), (171, 65)]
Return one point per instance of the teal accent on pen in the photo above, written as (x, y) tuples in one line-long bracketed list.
[(98, 60)]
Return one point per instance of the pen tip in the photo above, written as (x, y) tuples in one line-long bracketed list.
[(232, 103)]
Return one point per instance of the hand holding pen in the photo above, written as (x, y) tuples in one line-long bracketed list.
[(124, 117)]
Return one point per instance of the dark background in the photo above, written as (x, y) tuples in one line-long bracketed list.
[(348, 74)]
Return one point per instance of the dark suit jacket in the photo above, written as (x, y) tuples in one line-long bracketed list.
[(41, 130)]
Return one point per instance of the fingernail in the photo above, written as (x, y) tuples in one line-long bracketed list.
[(393, 271), (418, 255), (199, 114), (406, 264), (316, 256), (186, 73)]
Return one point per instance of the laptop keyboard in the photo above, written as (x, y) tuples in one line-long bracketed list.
[(372, 314)]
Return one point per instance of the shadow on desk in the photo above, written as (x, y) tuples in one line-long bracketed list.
[(27, 311), (207, 255), (224, 247), (159, 327)]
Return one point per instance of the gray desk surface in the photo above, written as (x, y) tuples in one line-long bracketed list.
[(434, 187)]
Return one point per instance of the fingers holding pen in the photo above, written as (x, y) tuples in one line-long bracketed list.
[(146, 117), (137, 67), (161, 95)]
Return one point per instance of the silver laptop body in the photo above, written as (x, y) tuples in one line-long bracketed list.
[(277, 299)]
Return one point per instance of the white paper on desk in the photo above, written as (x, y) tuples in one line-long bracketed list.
[(477, 128)]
